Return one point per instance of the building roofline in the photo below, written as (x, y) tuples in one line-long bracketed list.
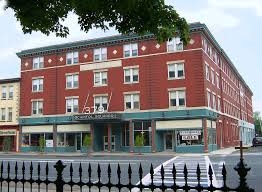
[(11, 80), (116, 39)]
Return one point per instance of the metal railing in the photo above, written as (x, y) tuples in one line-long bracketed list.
[(43, 182)]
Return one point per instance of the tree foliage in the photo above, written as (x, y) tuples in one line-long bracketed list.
[(258, 122), (127, 16)]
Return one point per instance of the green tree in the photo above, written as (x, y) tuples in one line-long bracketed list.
[(7, 144), (41, 143), (257, 122), (139, 141), (126, 16), (87, 142)]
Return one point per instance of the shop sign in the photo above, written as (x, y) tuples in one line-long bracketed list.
[(49, 143), (7, 132), (189, 137), (191, 132), (85, 117)]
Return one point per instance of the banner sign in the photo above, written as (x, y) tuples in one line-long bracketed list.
[(191, 132), (7, 132), (101, 116), (189, 137)]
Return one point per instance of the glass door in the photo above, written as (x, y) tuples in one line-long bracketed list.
[(78, 141), (168, 141)]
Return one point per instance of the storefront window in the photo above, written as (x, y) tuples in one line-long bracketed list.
[(60, 139), (35, 139), (25, 140), (70, 139), (125, 134), (83, 137), (144, 128), (190, 137), (212, 136)]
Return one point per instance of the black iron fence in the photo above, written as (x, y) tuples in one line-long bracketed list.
[(43, 180)]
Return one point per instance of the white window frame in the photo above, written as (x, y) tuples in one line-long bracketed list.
[(38, 107), (10, 114), (217, 81), (38, 62), (72, 58), (132, 74), (218, 103), (3, 114), (72, 104), (100, 78), (212, 76), (177, 93), (174, 44), (101, 102), (72, 81), (175, 66), (130, 50), (37, 85), (100, 54), (209, 99), (214, 102), (10, 92), (132, 98), (207, 72), (4, 93)]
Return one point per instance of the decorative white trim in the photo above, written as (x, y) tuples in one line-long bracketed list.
[(174, 62), (131, 67)]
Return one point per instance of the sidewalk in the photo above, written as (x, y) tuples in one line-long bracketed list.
[(224, 151)]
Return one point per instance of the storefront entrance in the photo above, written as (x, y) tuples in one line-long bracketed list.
[(169, 143), (113, 143)]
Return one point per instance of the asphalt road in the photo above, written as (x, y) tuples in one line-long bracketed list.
[(252, 157)]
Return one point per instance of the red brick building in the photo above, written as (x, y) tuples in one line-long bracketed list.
[(182, 98)]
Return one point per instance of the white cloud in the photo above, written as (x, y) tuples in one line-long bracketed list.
[(256, 5), (2, 5), (257, 104), (7, 52)]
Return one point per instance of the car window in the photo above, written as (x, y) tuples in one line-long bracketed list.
[(258, 138)]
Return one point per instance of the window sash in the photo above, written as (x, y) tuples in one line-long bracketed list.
[(72, 105), (176, 70), (100, 78), (100, 54), (38, 62), (132, 101), (177, 98), (37, 85), (37, 107)]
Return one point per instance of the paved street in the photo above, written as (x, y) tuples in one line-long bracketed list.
[(252, 157)]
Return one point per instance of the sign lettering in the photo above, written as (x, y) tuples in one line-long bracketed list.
[(84, 117)]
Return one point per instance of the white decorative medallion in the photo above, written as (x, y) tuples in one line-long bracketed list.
[(191, 41), (143, 48), (26, 64), (115, 52), (157, 46), (61, 59), (49, 60), (85, 56)]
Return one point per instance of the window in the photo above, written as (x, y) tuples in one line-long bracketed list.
[(174, 44), (217, 80), (189, 137), (100, 54), (101, 101), (208, 99), (100, 78), (131, 101), (25, 140), (37, 107), (72, 58), (37, 85), (131, 75), (72, 81), (72, 105), (144, 128), (130, 50), (10, 113), (177, 98), (207, 72), (125, 134), (3, 114), (214, 102), (11, 92), (176, 71), (212, 76), (38, 62), (218, 104), (3, 92)]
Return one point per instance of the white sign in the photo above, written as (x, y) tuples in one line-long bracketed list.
[(191, 132), (49, 143), (189, 137)]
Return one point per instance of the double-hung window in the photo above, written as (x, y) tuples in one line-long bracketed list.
[(217, 80), (214, 102), (38, 62), (176, 71), (177, 98), (131, 50), (207, 73), (208, 99), (100, 78), (11, 92), (37, 84), (10, 113), (131, 75), (218, 104), (212, 76), (3, 95), (132, 101), (100, 54), (37, 107), (174, 44), (101, 101), (72, 105), (3, 114), (72, 81), (72, 58)]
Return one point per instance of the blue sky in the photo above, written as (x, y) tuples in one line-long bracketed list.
[(236, 25)]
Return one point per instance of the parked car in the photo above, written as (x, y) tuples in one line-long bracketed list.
[(257, 141)]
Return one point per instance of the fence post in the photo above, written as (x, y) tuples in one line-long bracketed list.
[(59, 182), (242, 170)]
